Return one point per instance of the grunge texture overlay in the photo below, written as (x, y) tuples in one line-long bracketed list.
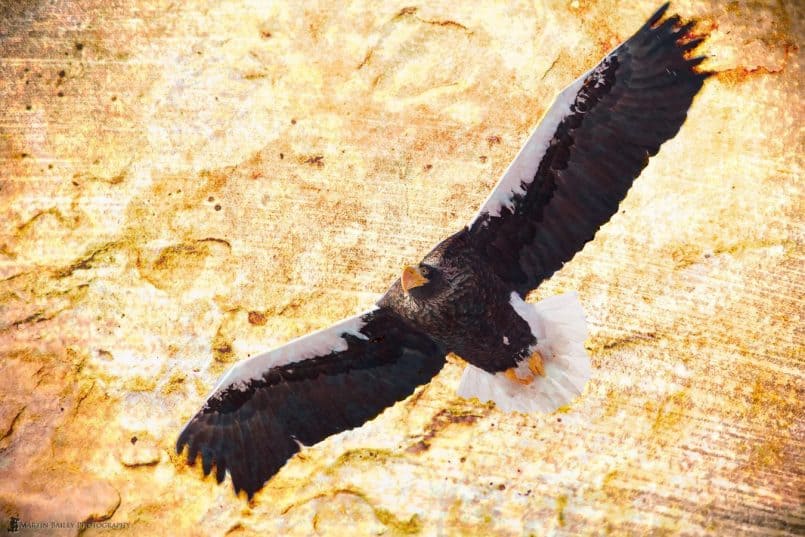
[(185, 184)]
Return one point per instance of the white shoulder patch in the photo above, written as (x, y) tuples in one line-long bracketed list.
[(559, 325), (523, 168), (319, 343)]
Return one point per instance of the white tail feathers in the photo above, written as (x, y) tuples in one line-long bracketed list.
[(560, 328)]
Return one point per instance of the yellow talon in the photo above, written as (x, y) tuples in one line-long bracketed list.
[(535, 365), (511, 375)]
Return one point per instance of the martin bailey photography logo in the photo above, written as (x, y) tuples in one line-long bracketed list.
[(15, 525)]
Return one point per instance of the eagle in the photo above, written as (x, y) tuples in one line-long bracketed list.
[(467, 296)]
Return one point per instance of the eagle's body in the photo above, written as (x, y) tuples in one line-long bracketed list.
[(467, 296), (465, 307)]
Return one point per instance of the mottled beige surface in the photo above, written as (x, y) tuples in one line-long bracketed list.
[(185, 184)]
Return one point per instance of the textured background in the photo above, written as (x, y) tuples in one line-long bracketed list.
[(184, 184)]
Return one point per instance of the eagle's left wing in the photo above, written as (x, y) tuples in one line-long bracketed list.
[(313, 387), (591, 144)]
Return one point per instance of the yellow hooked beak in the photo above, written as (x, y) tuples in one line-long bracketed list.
[(411, 277)]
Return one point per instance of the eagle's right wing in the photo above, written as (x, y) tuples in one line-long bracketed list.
[(313, 387), (591, 144)]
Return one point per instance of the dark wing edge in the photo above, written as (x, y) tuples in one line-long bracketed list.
[(590, 146), (258, 415)]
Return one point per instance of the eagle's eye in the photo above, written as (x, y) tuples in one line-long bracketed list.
[(425, 270)]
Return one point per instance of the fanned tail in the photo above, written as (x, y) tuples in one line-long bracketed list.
[(560, 328)]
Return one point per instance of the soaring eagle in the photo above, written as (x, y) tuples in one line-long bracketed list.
[(467, 295)]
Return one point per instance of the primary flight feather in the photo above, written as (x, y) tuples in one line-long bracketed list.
[(466, 296)]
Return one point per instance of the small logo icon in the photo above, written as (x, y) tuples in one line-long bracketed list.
[(13, 524)]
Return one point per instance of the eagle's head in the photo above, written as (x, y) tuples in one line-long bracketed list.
[(421, 281), (442, 273)]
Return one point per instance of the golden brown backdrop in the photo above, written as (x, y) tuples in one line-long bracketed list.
[(183, 184)]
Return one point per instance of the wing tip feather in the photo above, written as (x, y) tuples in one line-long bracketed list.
[(675, 36), (656, 16), (181, 442)]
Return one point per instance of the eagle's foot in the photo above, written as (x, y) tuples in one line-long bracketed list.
[(536, 364), (536, 367)]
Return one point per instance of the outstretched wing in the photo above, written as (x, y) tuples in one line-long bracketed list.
[(311, 388), (590, 146)]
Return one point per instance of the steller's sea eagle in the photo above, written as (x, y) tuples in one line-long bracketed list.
[(466, 296)]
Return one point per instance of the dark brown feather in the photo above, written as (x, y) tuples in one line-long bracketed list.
[(635, 100), (252, 432)]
